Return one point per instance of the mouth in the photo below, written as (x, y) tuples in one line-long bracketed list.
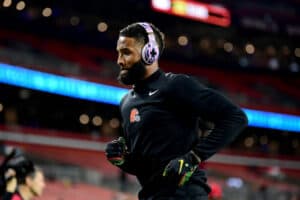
[(123, 71)]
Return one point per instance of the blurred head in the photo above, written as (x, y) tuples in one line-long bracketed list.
[(30, 179), (35, 182), (130, 45)]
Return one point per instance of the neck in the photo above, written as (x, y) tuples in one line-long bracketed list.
[(25, 192), (151, 69)]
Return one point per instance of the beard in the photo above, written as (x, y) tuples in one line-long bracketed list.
[(132, 75)]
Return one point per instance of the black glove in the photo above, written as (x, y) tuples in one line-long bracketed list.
[(180, 170), (116, 151)]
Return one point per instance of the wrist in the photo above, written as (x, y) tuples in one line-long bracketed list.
[(194, 157)]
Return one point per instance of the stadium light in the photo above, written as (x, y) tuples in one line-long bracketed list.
[(18, 76), (203, 12), (22, 77)]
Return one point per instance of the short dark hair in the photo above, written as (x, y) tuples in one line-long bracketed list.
[(31, 174), (23, 168), (136, 31)]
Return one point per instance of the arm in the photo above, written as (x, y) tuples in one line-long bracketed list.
[(118, 155), (228, 118), (117, 152)]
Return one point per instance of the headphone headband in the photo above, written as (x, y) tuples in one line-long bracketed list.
[(149, 31)]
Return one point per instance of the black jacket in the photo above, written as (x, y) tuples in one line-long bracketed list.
[(161, 121)]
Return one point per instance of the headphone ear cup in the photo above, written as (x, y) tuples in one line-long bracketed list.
[(150, 53)]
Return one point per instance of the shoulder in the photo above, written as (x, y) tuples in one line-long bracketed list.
[(181, 80), (125, 97), (173, 76)]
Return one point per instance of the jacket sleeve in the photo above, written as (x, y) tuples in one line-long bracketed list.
[(228, 118), (131, 164)]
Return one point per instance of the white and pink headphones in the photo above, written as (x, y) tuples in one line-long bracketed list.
[(150, 51)]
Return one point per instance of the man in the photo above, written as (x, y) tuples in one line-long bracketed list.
[(161, 145), (25, 181)]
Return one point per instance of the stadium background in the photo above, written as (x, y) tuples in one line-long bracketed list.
[(63, 127)]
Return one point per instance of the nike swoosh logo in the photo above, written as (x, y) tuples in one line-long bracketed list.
[(153, 92)]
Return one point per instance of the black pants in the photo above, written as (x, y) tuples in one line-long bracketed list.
[(190, 191)]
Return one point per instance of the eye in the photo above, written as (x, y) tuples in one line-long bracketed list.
[(126, 52)]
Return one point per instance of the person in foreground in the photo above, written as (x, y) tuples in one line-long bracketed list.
[(24, 181), (161, 145)]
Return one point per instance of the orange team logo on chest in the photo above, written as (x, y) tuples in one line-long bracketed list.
[(134, 115)]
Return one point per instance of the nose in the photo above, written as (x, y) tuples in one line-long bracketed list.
[(121, 61)]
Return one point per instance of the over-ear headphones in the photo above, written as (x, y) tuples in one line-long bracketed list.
[(150, 51)]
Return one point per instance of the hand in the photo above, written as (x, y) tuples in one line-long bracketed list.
[(116, 151), (180, 170), (11, 180)]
